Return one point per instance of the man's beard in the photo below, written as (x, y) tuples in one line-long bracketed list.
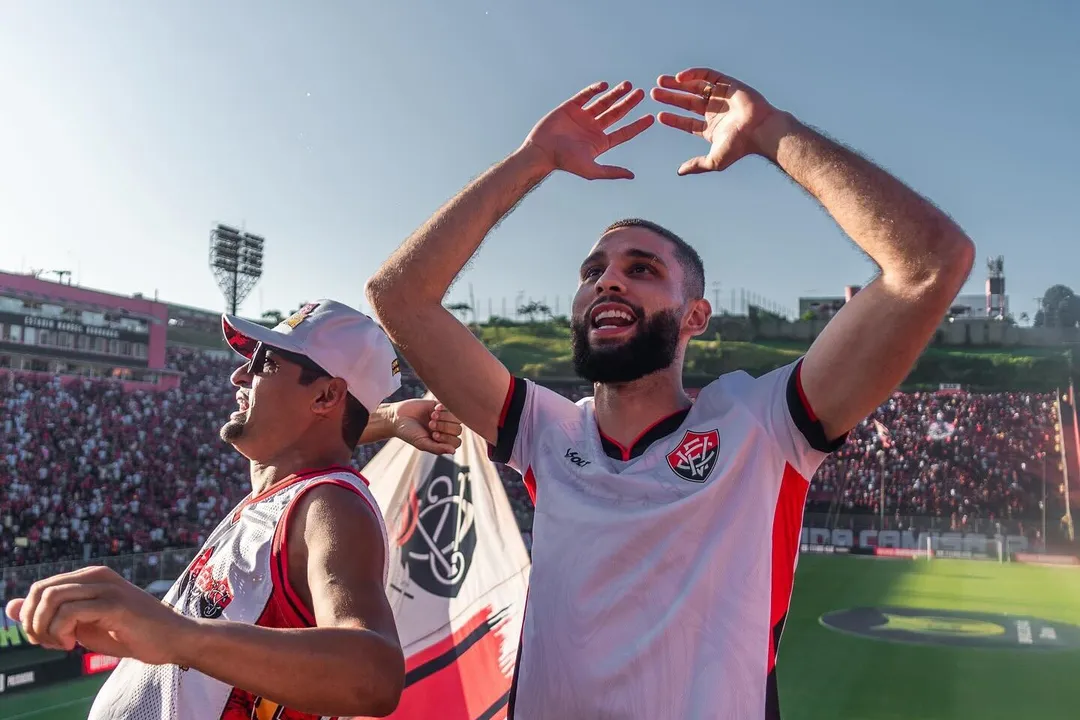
[(231, 431), (651, 348)]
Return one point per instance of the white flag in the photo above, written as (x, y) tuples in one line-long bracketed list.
[(458, 578)]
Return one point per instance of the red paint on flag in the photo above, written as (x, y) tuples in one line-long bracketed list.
[(464, 688)]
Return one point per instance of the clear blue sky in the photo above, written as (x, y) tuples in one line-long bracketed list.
[(335, 128)]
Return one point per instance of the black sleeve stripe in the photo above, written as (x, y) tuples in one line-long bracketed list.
[(510, 421), (805, 419)]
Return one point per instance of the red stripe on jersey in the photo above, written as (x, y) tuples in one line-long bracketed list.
[(787, 524), (506, 402), (802, 393), (530, 484)]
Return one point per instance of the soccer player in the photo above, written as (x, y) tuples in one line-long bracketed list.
[(282, 614), (666, 531)]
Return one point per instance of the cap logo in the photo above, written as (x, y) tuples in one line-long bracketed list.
[(395, 367), (300, 315)]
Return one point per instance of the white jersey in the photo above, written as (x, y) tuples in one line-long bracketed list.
[(241, 574), (661, 572)]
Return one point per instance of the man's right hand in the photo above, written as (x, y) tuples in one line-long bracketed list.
[(574, 134), (451, 361)]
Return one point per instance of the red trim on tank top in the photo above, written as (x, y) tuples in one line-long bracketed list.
[(292, 480), (279, 549)]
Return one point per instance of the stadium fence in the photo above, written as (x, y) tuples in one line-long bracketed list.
[(142, 569), (856, 530)]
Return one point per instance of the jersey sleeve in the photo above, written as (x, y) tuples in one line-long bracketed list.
[(528, 410), (791, 421)]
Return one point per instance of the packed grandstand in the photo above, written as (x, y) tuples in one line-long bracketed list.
[(98, 470)]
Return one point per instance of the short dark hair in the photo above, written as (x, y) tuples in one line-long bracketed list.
[(693, 269), (355, 420)]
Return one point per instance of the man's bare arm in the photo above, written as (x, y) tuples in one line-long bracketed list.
[(872, 343), (380, 425), (410, 420), (870, 346), (407, 292), (351, 663)]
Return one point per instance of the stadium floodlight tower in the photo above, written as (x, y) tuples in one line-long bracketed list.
[(236, 259)]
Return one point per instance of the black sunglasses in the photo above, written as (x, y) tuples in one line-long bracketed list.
[(259, 357)]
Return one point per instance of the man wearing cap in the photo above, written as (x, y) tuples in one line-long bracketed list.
[(282, 613)]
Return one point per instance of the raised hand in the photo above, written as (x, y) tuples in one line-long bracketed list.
[(730, 113), (574, 134)]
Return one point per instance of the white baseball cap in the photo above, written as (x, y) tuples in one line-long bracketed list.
[(344, 342)]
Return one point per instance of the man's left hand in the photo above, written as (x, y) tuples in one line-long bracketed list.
[(96, 608), (728, 113), (427, 425)]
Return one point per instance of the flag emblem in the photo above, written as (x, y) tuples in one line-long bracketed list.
[(457, 578), (695, 457), (438, 537)]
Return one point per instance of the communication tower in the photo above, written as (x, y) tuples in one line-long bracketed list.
[(996, 302)]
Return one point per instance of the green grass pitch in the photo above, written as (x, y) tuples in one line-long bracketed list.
[(825, 674)]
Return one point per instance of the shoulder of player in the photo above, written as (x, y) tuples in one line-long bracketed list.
[(550, 398), (333, 506), (730, 385), (741, 384), (756, 397)]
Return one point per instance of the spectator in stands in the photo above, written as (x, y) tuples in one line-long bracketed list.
[(955, 457), (88, 470)]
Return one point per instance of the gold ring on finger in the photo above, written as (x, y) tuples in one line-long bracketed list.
[(707, 91)]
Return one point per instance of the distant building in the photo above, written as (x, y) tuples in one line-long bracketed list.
[(193, 327), (824, 307), (978, 306), (49, 327), (975, 307), (992, 304)]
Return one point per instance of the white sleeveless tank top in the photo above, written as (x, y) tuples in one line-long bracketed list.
[(241, 575)]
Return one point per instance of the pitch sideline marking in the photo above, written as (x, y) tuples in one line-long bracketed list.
[(49, 708)]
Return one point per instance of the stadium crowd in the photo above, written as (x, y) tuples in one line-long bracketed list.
[(89, 470), (957, 457)]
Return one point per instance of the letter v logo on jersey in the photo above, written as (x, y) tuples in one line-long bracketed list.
[(695, 457), (573, 457)]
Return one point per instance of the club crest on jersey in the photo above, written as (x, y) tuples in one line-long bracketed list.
[(695, 457), (212, 595), (438, 534)]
